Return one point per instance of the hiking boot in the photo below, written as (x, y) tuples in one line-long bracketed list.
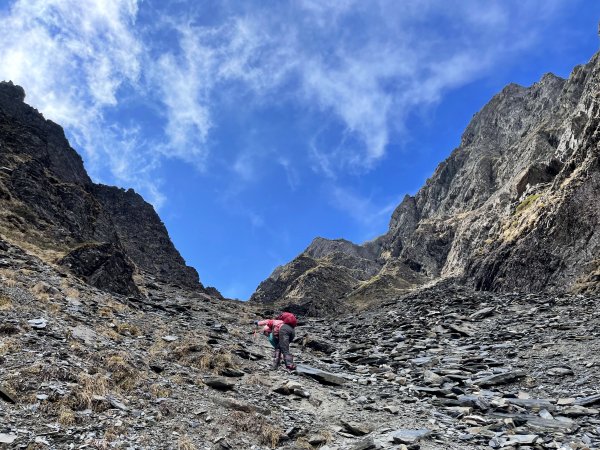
[(289, 362)]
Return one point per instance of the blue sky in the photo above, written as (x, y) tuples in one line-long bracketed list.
[(255, 126)]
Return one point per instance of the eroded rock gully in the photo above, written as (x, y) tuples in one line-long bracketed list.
[(442, 368)]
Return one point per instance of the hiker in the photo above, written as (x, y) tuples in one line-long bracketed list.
[(280, 332)]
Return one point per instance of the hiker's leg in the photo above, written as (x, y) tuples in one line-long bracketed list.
[(286, 335), (276, 358)]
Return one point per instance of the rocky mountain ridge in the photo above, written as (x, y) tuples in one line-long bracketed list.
[(514, 207), (48, 203)]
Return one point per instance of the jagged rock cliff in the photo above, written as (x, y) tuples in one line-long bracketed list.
[(515, 207), (50, 205)]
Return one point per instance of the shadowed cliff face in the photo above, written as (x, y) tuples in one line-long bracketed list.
[(515, 207), (49, 203)]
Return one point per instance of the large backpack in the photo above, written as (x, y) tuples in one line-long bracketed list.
[(288, 318)]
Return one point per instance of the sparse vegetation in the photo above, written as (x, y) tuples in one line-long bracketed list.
[(66, 416), (526, 203), (123, 374), (267, 433), (127, 329), (185, 443), (159, 391), (88, 386), (5, 302), (9, 346)]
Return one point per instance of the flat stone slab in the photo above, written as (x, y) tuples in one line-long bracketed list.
[(587, 401), (6, 396), (405, 436), (88, 335), (321, 376), (500, 378), (522, 439), (6, 438), (356, 428), (219, 383), (38, 324)]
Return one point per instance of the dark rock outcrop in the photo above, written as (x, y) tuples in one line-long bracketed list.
[(49, 202), (514, 207), (104, 266)]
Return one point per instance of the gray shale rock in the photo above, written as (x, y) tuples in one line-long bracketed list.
[(104, 266), (321, 376)]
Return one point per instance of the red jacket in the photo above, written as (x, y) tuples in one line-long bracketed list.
[(271, 325)]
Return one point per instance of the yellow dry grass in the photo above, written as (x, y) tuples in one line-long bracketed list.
[(5, 303), (159, 391), (88, 386), (185, 443), (123, 374), (268, 433), (127, 329), (9, 345)]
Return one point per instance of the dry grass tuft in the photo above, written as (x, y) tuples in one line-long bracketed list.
[(302, 443), (9, 346), (8, 278), (256, 379), (41, 292), (106, 312), (72, 292), (127, 329), (111, 434), (122, 372), (185, 443), (201, 356), (66, 416), (267, 433), (89, 386), (5, 303), (159, 391), (109, 333)]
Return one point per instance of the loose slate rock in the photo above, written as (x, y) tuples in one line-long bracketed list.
[(219, 383), (405, 436), (499, 378), (6, 396), (560, 371), (522, 439), (38, 324), (7, 438), (587, 401), (366, 444), (321, 376), (356, 429), (482, 313), (231, 372)]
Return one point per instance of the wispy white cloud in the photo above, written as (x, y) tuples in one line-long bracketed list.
[(73, 58), (371, 215), (291, 173), (362, 67)]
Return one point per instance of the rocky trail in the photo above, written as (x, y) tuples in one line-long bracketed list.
[(442, 368)]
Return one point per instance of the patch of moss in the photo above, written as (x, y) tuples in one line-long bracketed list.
[(526, 203)]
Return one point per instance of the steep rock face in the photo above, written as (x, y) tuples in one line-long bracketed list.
[(49, 203), (104, 266), (143, 235), (514, 207)]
